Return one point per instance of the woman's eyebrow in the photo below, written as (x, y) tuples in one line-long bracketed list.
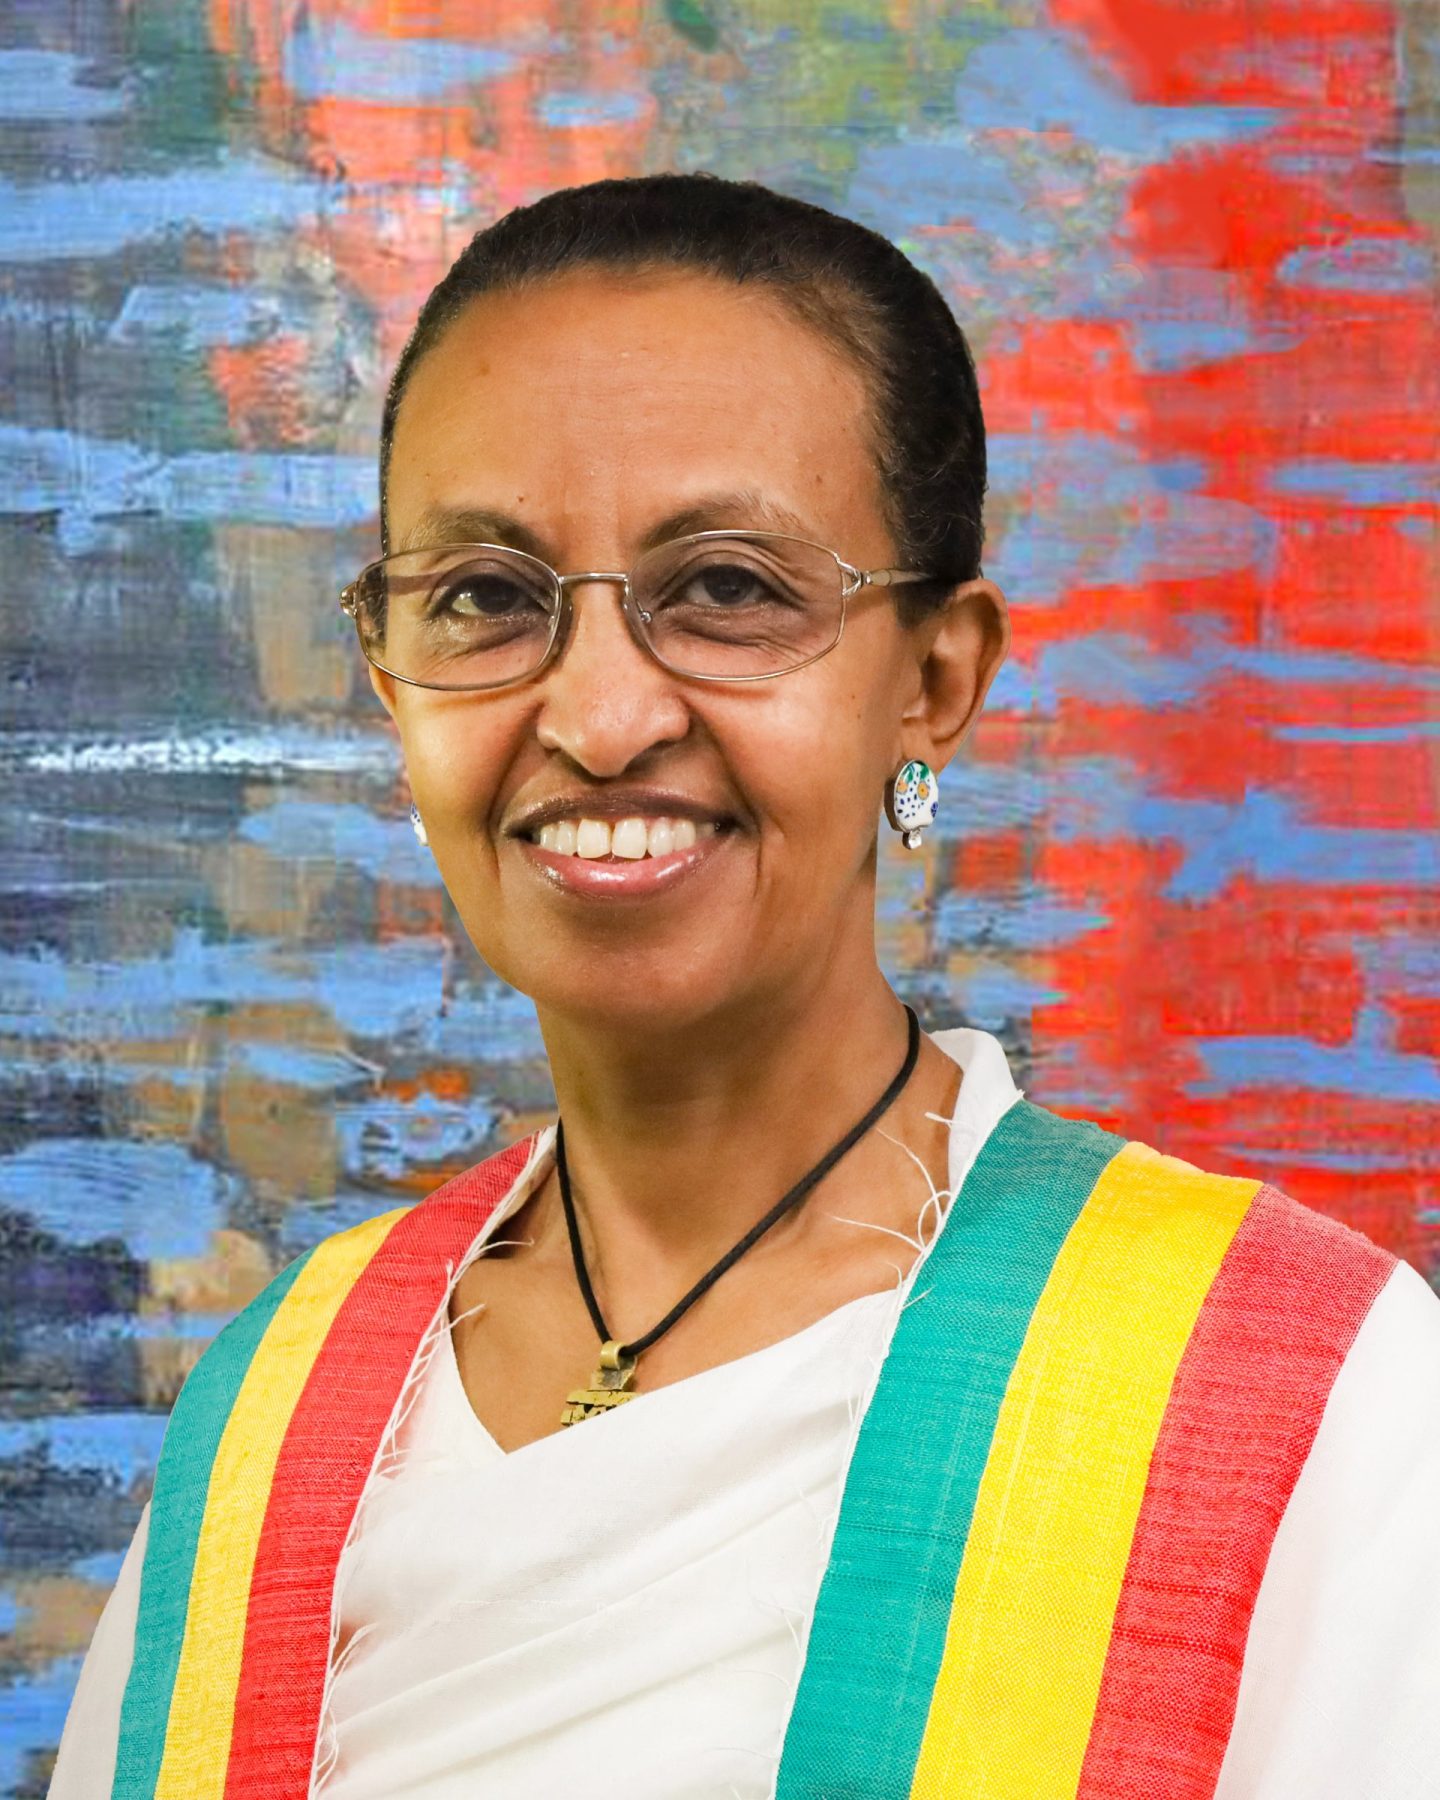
[(744, 509), (470, 525)]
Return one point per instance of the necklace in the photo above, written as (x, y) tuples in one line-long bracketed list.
[(610, 1384)]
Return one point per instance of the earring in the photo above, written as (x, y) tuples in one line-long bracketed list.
[(912, 799), (418, 823)]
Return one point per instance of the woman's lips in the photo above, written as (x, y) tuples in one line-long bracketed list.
[(618, 879)]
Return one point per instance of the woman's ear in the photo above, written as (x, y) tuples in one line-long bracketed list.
[(961, 647), (384, 686)]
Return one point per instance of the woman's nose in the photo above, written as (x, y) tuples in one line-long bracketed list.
[(605, 700)]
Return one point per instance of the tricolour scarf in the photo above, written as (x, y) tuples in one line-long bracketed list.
[(1062, 1496)]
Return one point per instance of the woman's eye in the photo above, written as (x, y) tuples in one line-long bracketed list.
[(483, 598), (723, 586)]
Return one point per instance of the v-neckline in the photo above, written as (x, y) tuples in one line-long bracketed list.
[(454, 1397), (970, 1108)]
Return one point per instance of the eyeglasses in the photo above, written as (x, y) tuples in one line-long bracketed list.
[(714, 606)]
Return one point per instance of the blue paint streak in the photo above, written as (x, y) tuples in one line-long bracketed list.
[(1046, 80), (122, 1445), (1362, 265), (386, 1139), (1416, 155), (1031, 921), (993, 993), (1407, 733), (155, 1197), (302, 830), (55, 221), (1111, 668), (1366, 1070), (976, 799), (200, 315), (45, 84), (1359, 484), (1261, 837), (11, 1613), (372, 990), (1090, 509), (1072, 1077), (1344, 1162), (126, 1328), (87, 1070), (1114, 668), (571, 109), (1184, 317), (919, 181), (103, 1569), (305, 1225), (270, 488), (1400, 961), (1081, 799), (32, 1716), (487, 1024), (87, 478), (906, 900), (327, 58), (300, 1066), (1171, 345), (1329, 668)]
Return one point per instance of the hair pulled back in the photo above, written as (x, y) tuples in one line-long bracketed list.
[(848, 283)]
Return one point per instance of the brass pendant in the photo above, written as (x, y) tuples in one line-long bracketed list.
[(608, 1387)]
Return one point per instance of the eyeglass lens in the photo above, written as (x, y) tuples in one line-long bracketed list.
[(722, 607)]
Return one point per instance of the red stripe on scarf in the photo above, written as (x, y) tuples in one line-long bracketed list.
[(324, 1463), (1280, 1316)]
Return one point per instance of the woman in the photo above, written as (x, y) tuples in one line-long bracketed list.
[(807, 1413)]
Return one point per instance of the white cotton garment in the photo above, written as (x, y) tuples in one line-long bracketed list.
[(619, 1610)]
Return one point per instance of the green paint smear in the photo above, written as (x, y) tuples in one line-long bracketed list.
[(185, 101), (692, 22), (821, 84)]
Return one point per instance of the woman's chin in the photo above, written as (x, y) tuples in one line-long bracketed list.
[(647, 1005), (646, 993)]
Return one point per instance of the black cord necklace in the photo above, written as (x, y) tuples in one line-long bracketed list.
[(610, 1385)]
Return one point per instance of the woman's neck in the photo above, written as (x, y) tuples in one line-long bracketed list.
[(678, 1145)]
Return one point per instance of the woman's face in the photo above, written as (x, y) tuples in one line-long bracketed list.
[(590, 410)]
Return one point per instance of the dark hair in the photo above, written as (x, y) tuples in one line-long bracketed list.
[(849, 283)]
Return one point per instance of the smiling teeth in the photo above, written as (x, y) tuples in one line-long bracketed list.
[(629, 839)]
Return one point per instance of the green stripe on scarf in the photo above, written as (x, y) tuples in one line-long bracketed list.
[(177, 1505), (884, 1604)]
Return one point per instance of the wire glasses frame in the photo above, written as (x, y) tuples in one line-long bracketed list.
[(852, 580)]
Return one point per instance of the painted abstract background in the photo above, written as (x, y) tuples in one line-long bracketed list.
[(1186, 867)]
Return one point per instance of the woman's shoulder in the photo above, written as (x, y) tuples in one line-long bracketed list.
[(1266, 1291)]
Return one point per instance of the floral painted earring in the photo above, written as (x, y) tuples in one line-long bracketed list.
[(418, 823), (912, 799)]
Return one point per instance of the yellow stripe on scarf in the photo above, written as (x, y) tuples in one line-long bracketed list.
[(197, 1735), (1056, 1510)]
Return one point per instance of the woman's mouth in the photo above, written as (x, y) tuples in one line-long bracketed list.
[(626, 840), (623, 857)]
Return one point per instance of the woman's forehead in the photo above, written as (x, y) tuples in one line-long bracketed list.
[(642, 402), (589, 340)]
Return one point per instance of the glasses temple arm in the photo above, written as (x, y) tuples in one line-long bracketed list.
[(895, 577)]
